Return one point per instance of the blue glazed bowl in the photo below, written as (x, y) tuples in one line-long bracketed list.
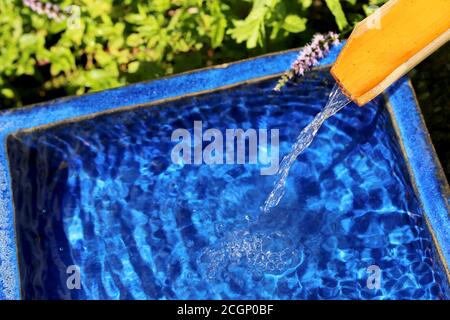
[(87, 189)]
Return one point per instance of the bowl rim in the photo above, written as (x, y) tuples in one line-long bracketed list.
[(427, 176)]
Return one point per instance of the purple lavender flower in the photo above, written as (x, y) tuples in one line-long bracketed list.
[(309, 56), (52, 11)]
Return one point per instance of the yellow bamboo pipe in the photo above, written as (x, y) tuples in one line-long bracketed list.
[(389, 43)]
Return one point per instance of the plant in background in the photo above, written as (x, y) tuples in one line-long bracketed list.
[(280, 16), (48, 51), (275, 15), (309, 56)]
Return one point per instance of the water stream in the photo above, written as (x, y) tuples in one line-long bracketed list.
[(336, 101)]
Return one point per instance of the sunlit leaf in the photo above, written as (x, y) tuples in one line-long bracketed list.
[(336, 9), (294, 23)]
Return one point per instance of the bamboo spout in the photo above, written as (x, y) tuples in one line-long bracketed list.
[(389, 43)]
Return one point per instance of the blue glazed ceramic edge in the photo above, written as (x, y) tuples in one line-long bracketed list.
[(178, 85), (427, 174)]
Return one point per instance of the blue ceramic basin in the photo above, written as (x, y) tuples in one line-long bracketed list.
[(88, 193)]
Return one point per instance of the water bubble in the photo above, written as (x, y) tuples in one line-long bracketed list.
[(258, 253)]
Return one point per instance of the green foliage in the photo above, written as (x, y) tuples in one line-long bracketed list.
[(110, 43), (338, 13)]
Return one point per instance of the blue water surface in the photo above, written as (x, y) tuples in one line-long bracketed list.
[(103, 194)]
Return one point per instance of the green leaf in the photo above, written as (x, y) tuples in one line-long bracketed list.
[(7, 93), (336, 9), (217, 25), (28, 41), (102, 57), (294, 23), (252, 30), (135, 18), (218, 32), (377, 2), (160, 5), (306, 3), (62, 60), (134, 40), (133, 67)]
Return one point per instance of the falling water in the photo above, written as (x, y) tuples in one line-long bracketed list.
[(336, 101)]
